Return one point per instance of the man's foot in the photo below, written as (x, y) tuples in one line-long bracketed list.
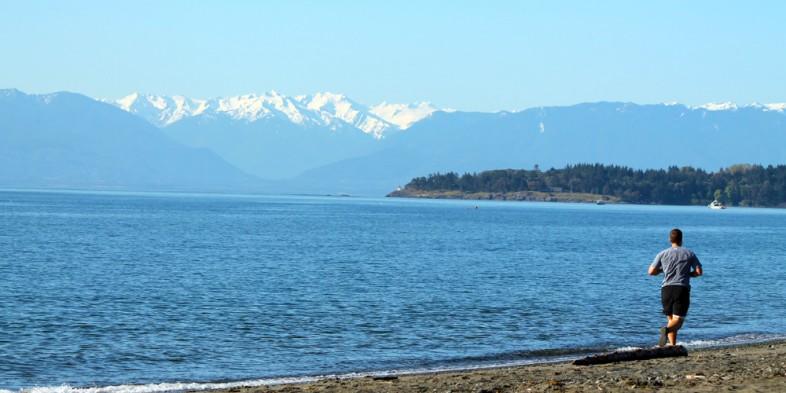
[(664, 331)]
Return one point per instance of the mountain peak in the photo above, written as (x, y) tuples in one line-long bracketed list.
[(731, 106), (160, 110), (404, 115), (326, 109), (718, 106), (10, 92)]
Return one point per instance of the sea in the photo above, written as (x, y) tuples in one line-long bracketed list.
[(151, 292)]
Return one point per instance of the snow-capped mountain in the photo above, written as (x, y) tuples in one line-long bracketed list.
[(403, 115), (159, 110), (336, 107), (731, 106), (321, 109)]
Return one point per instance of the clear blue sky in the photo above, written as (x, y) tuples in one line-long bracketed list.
[(466, 55)]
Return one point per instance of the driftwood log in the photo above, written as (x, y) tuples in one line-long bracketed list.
[(637, 354)]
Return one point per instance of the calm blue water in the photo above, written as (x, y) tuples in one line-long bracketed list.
[(107, 289)]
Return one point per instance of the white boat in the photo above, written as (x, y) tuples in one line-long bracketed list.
[(716, 205)]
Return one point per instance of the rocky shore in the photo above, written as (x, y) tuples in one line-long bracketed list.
[(750, 368)]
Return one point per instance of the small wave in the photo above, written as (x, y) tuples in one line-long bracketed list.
[(740, 339), (509, 359), (529, 356), (166, 387), (626, 349), (169, 387)]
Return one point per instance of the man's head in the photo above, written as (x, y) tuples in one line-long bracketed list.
[(675, 236)]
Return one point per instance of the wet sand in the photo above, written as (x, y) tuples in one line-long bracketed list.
[(749, 368)]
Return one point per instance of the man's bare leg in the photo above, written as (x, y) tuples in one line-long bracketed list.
[(675, 323), (664, 336)]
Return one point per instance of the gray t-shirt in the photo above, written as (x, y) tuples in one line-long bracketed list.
[(676, 263)]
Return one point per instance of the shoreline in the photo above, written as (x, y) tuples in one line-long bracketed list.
[(739, 367), (758, 365), (518, 196), (540, 196)]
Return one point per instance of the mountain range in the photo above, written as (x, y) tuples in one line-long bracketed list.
[(328, 143), (273, 136), (318, 110), (67, 140)]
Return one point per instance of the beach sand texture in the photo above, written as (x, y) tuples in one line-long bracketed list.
[(750, 368)]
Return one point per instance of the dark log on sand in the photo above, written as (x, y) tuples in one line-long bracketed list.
[(638, 354)]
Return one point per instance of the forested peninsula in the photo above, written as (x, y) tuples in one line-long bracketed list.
[(738, 185)]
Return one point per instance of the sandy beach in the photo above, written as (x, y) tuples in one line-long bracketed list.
[(749, 368)]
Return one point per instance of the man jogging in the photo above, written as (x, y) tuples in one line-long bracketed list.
[(678, 265)]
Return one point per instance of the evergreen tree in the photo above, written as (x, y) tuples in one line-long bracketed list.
[(743, 184)]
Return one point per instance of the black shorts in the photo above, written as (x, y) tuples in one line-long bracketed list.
[(675, 299)]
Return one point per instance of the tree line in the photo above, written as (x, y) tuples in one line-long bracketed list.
[(738, 185)]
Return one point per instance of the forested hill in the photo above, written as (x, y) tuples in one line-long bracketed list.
[(738, 185)]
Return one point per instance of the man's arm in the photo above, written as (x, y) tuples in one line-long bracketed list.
[(697, 270), (655, 266)]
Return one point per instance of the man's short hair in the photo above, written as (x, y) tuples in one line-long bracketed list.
[(675, 236)]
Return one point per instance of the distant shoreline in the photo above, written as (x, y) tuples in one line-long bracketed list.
[(536, 196), (738, 185), (521, 196)]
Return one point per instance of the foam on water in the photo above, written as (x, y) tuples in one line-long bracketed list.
[(200, 386), (564, 355), (544, 356), (740, 339), (164, 387), (626, 349)]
